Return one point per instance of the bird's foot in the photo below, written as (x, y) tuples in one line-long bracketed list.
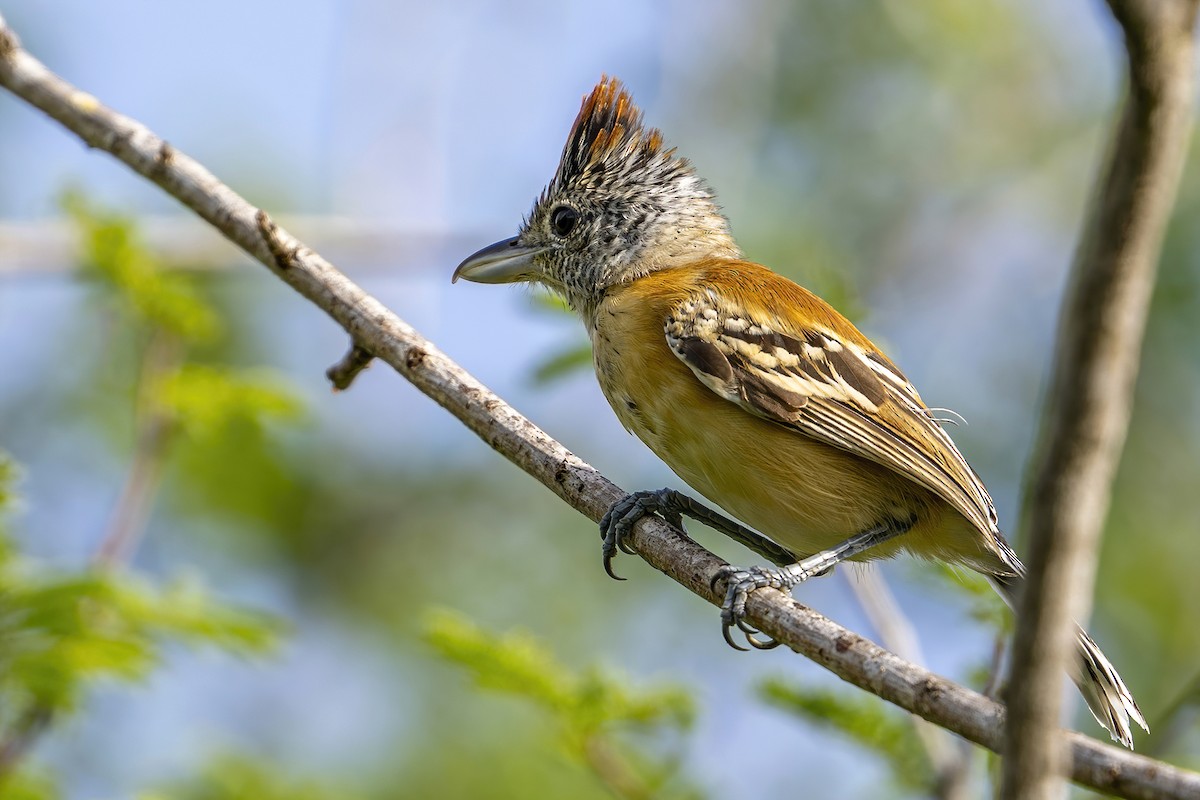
[(740, 582), (624, 514)]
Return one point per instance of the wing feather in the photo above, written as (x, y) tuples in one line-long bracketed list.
[(827, 386)]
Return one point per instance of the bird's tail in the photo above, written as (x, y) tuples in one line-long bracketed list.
[(1107, 696)]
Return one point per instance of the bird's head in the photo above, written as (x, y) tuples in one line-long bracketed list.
[(621, 205)]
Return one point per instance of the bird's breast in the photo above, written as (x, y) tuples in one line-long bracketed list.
[(800, 492), (804, 494)]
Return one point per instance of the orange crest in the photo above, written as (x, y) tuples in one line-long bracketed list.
[(608, 130)]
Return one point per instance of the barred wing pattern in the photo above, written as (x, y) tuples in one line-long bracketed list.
[(827, 387)]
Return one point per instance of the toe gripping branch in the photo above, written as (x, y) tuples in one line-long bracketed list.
[(619, 520), (739, 582), (673, 506)]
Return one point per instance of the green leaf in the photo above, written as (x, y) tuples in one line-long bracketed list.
[(185, 611), (10, 473), (115, 258), (204, 399), (567, 360), (516, 663), (59, 633), (563, 363), (28, 785), (545, 300), (591, 707), (866, 720), (985, 604), (236, 777)]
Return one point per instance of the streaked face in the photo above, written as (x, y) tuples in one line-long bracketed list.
[(619, 205)]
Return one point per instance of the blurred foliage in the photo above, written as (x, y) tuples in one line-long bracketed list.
[(169, 348), (591, 709), (878, 727), (224, 459), (10, 474), (574, 357), (27, 785), (895, 158), (133, 279), (983, 602), (205, 399), (60, 633), (563, 363), (900, 97), (234, 776)]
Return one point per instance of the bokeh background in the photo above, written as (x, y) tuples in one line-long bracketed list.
[(923, 166)]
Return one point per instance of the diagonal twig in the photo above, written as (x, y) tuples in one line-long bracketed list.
[(343, 373), (154, 431), (950, 757), (1091, 394)]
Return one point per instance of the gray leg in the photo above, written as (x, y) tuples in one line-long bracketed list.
[(740, 582), (673, 506)]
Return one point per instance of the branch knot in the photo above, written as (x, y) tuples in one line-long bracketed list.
[(284, 256), (9, 43)]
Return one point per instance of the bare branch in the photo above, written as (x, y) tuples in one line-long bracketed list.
[(950, 757), (33, 248), (154, 429), (1095, 367), (27, 728), (613, 771), (994, 672), (343, 373), (851, 657)]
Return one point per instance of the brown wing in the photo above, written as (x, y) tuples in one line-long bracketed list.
[(826, 385)]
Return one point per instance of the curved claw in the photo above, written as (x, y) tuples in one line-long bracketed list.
[(726, 630), (611, 531), (608, 566), (762, 644), (739, 584), (723, 574), (746, 628), (619, 520), (730, 620), (752, 633)]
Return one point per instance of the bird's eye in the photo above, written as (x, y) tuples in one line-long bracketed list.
[(563, 219)]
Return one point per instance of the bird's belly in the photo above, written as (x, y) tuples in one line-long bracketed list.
[(803, 494)]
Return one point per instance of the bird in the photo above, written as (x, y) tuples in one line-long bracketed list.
[(757, 393)]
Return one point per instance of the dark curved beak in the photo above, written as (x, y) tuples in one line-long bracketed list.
[(502, 262)]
